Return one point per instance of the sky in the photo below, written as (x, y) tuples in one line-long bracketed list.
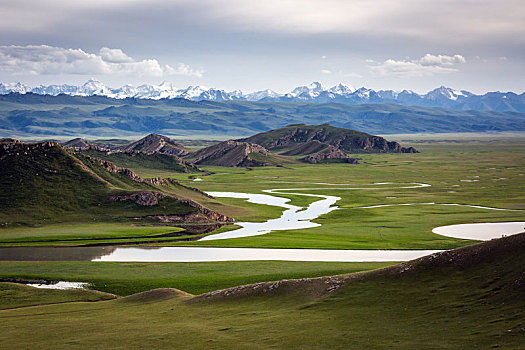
[(474, 45)]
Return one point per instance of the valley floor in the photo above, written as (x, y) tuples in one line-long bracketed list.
[(469, 298), (447, 305)]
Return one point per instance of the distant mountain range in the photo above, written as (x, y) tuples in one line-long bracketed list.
[(314, 93), (30, 115)]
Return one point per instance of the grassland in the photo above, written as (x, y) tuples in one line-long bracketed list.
[(128, 278), (457, 304), (461, 300), (485, 173), (15, 295)]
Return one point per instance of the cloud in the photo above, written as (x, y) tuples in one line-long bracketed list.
[(353, 75), (114, 56), (324, 57), (441, 20), (441, 60), (184, 69), (424, 66), (46, 60), (326, 71)]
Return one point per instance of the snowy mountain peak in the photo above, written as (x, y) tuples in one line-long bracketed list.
[(306, 92), (342, 89), (446, 93), (263, 94), (94, 87), (15, 87), (316, 86)]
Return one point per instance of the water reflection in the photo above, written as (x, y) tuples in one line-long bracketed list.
[(53, 253), (293, 218)]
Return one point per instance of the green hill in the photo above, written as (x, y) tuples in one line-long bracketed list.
[(44, 184), (140, 162), (301, 139)]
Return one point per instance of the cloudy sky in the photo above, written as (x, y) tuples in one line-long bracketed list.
[(476, 45)]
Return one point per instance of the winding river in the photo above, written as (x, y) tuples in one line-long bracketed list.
[(292, 218), (295, 217)]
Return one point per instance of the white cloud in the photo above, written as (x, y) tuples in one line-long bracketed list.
[(114, 55), (441, 60), (324, 57), (326, 71), (424, 66), (45, 60)]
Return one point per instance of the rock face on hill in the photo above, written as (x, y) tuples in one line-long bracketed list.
[(78, 143), (300, 135), (156, 144), (153, 151), (330, 152), (142, 197), (231, 153)]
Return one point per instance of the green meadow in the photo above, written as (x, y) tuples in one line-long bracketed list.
[(470, 300), (464, 305), (481, 173)]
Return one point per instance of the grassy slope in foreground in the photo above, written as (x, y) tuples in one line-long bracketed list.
[(128, 278), (470, 298)]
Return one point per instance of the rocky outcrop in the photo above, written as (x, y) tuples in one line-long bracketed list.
[(330, 153), (113, 168), (141, 198), (409, 150), (230, 153), (209, 213), (13, 147), (156, 144), (80, 144)]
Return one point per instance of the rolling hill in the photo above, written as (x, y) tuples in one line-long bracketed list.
[(44, 116), (332, 142), (234, 153), (44, 183), (467, 298), (152, 152)]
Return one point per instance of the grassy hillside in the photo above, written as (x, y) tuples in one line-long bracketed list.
[(467, 298), (293, 138), (142, 163), (43, 186)]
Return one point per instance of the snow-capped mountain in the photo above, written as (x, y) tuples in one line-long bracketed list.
[(444, 93), (312, 93), (306, 93), (93, 87), (14, 87), (54, 89), (263, 95), (341, 90)]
